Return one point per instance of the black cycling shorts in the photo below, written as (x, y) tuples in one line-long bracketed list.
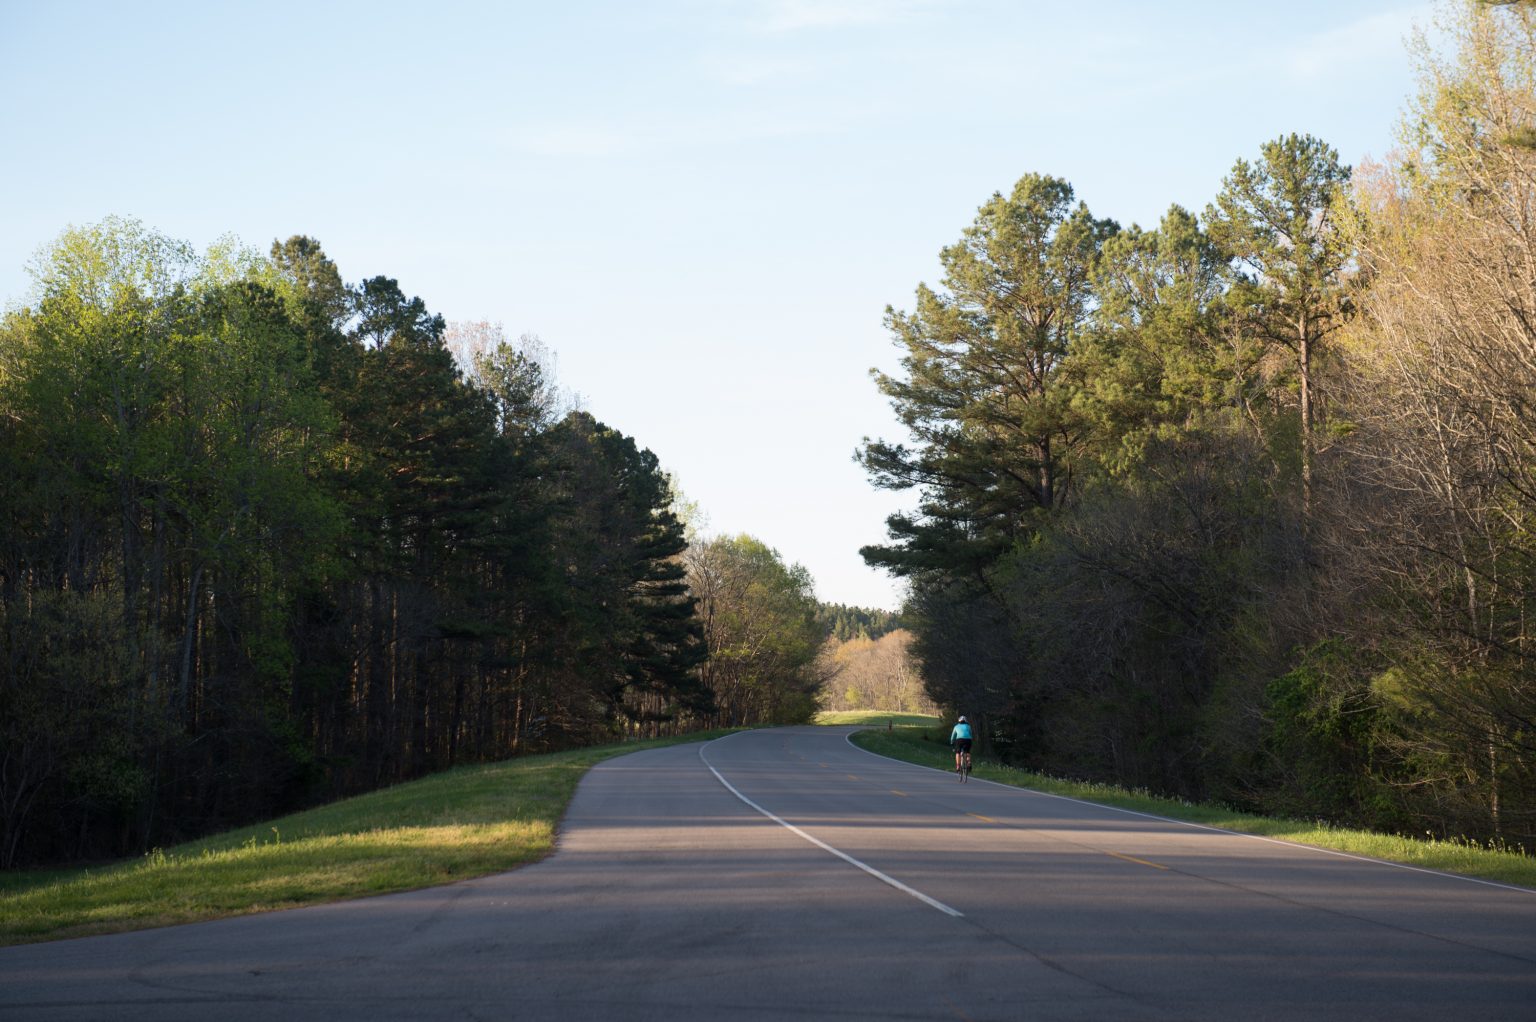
[(962, 745)]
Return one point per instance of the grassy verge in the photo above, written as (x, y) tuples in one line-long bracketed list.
[(459, 824), (876, 718), (928, 746)]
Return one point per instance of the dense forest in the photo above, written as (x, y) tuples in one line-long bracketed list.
[(1241, 506), (844, 623), (271, 538)]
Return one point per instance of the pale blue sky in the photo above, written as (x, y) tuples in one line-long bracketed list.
[(702, 207)]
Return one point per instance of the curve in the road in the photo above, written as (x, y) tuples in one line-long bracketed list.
[(719, 882)]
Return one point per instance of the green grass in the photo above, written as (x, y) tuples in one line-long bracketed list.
[(451, 826), (930, 747), (876, 718)]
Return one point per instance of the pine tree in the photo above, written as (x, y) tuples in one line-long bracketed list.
[(996, 442)]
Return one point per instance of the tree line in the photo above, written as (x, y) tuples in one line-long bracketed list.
[(1241, 506), (268, 541), (845, 623)]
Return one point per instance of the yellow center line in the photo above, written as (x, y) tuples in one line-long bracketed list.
[(901, 793), (1139, 862), (853, 777), (978, 816)]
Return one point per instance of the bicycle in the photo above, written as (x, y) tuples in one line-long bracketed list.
[(963, 764)]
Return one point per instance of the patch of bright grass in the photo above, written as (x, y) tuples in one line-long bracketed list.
[(928, 746), (875, 718), (451, 826)]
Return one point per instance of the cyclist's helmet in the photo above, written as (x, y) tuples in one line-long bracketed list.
[(962, 720)]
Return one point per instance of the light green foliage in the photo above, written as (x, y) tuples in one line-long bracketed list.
[(1281, 218), (760, 623), (1159, 358), (158, 415), (1325, 724)]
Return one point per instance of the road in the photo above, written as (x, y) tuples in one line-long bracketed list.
[(785, 874)]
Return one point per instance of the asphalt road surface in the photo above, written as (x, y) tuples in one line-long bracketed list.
[(785, 874)]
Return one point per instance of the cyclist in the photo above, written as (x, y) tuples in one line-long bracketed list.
[(960, 741)]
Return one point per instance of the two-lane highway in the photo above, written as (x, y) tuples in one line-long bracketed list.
[(786, 874), (1174, 917)]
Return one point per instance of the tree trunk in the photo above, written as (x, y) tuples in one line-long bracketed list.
[(1304, 359)]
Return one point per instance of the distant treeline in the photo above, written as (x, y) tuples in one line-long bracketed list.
[(843, 622), (1244, 506), (267, 540)]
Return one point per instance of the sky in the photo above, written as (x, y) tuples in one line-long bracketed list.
[(702, 208)]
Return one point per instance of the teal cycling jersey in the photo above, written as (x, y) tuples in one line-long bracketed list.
[(960, 731)]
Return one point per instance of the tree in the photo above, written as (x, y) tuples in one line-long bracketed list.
[(845, 623), (995, 438), (520, 374), (1159, 359), (1280, 219), (1443, 462), (268, 541), (161, 411), (628, 623), (875, 674), (759, 621)]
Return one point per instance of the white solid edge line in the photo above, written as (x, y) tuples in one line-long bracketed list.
[(1214, 830), (883, 878)]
